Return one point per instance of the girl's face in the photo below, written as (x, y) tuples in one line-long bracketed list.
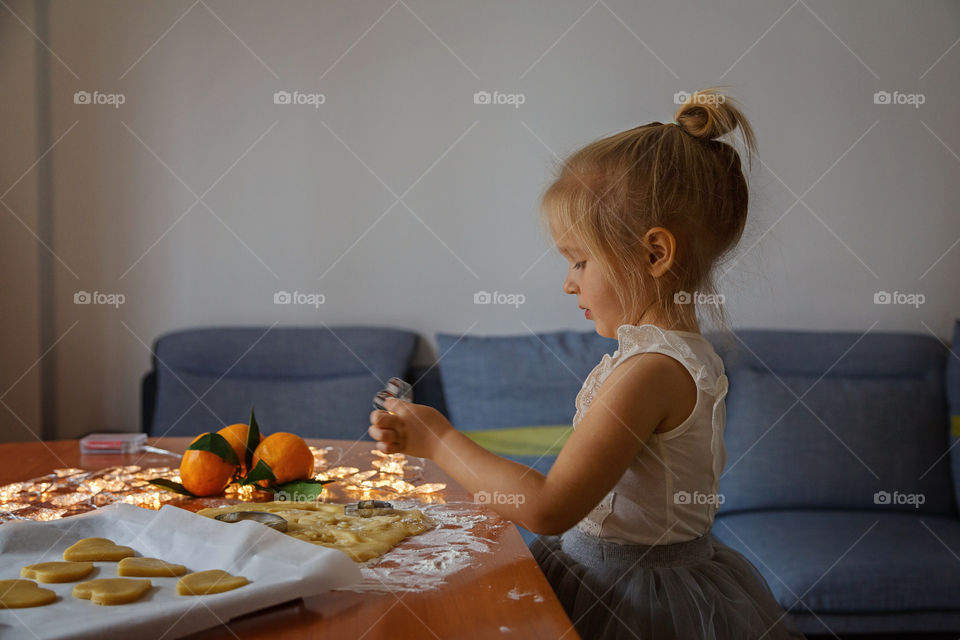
[(593, 291)]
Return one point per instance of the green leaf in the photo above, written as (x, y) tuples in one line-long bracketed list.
[(299, 490), (170, 485), (217, 445), (253, 438), (261, 471)]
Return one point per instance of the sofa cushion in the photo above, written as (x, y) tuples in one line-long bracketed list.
[(506, 381), (536, 447), (953, 401), (870, 431), (334, 408), (427, 387), (316, 382), (542, 440), (851, 561)]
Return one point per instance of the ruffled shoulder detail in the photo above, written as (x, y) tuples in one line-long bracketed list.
[(633, 339)]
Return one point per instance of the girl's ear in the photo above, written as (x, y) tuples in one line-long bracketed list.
[(663, 250)]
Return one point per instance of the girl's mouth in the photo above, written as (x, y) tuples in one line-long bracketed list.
[(586, 314)]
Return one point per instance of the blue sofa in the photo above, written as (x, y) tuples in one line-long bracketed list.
[(841, 483), (304, 380), (841, 480)]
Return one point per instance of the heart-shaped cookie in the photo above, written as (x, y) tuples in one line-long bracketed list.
[(96, 550), (149, 568), (56, 571), (112, 590), (210, 581), (16, 594)]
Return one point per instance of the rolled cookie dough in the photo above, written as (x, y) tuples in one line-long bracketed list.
[(326, 524)]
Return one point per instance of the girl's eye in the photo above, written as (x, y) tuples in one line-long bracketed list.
[(579, 265)]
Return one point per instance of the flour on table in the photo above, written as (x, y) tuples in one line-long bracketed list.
[(423, 562), (514, 594)]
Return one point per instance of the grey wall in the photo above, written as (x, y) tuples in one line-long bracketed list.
[(302, 198), (20, 228)]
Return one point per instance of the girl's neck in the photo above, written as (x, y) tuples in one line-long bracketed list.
[(678, 324)]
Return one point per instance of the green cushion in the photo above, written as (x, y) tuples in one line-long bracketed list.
[(545, 440)]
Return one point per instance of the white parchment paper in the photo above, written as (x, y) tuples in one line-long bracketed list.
[(279, 568)]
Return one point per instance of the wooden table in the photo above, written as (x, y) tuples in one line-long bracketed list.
[(473, 604)]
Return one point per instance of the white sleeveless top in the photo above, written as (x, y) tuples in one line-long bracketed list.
[(669, 492)]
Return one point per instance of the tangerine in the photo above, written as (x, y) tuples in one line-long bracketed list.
[(203, 473), (287, 454), (236, 435)]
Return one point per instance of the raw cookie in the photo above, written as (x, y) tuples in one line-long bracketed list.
[(211, 581), (96, 550), (327, 525), (56, 571), (149, 568), (112, 590), (15, 594)]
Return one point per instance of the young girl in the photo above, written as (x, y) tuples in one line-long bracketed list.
[(624, 516)]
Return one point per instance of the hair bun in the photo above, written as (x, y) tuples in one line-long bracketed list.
[(708, 114)]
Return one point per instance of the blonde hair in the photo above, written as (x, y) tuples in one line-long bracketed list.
[(679, 176)]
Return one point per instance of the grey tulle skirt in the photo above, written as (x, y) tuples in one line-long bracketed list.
[(696, 590)]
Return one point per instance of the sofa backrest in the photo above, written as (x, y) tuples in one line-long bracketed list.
[(316, 382), (836, 420), (953, 404), (492, 382)]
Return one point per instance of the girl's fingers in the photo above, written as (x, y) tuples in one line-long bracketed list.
[(389, 447), (383, 435), (383, 418), (388, 441)]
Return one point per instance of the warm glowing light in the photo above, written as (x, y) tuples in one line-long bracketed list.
[(431, 487), (361, 476), (65, 492), (341, 472)]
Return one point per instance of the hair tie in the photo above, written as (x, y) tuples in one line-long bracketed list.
[(675, 122)]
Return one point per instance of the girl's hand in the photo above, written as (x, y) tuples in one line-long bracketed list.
[(413, 429)]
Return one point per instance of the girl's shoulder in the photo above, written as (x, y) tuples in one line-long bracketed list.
[(693, 350), (638, 335)]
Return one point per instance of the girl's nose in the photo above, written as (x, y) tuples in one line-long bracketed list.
[(569, 286)]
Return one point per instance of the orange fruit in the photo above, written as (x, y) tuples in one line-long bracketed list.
[(236, 435), (287, 454), (203, 473)]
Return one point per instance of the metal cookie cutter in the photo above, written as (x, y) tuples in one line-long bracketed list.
[(367, 508), (396, 388), (272, 520)]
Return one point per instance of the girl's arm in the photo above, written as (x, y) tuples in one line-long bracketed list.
[(632, 402)]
